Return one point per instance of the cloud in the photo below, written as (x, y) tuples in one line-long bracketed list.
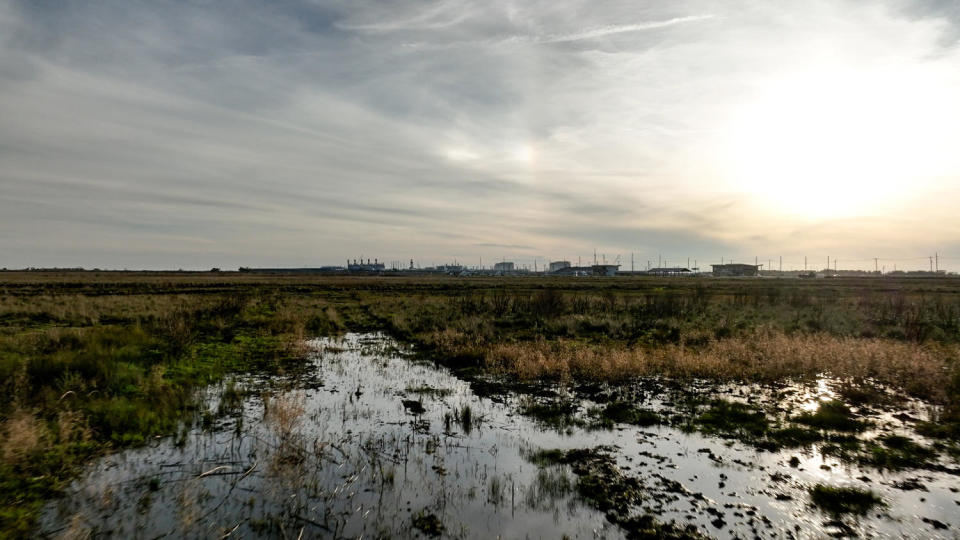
[(504, 246), (603, 31), (440, 15), (197, 134)]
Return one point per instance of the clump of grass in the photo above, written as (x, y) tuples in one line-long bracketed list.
[(624, 412), (733, 419), (790, 437), (284, 412), (730, 417), (429, 390), (231, 399), (896, 452), (557, 413), (545, 457), (22, 435), (464, 416), (843, 500), (428, 523), (831, 415)]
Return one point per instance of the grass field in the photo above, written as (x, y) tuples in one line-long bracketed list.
[(94, 361)]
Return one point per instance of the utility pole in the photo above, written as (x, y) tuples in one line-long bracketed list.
[(875, 264), (828, 262), (937, 259), (659, 261), (804, 263), (631, 262), (781, 264), (594, 256), (931, 264)]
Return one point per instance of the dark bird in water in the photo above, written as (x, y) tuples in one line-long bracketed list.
[(413, 406)]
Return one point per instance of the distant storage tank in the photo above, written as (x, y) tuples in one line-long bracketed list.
[(503, 267), (556, 266), (361, 266)]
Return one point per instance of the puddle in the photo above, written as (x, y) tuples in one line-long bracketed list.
[(377, 444)]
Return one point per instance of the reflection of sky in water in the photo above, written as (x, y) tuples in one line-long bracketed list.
[(356, 462), (812, 396)]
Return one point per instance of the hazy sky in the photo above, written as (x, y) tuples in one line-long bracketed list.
[(196, 134)]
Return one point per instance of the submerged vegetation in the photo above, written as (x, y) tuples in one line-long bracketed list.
[(93, 362)]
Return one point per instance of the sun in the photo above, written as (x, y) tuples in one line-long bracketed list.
[(838, 143), (525, 153)]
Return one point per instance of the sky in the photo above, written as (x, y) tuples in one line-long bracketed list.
[(198, 134)]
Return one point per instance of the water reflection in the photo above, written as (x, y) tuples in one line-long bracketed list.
[(379, 445)]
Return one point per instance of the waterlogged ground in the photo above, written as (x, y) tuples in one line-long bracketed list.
[(375, 443)]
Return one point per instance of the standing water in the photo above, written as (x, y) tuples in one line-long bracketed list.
[(376, 444)]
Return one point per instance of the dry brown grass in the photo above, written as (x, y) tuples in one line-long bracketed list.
[(86, 310), (22, 434), (284, 413), (77, 529), (72, 426), (762, 356)]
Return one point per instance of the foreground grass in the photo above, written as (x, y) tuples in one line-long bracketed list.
[(83, 376)]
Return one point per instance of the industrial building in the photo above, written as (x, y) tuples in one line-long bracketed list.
[(449, 269), (594, 270), (375, 266), (559, 265), (503, 267), (672, 271), (736, 270)]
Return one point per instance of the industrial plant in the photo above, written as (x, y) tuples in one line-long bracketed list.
[(599, 268)]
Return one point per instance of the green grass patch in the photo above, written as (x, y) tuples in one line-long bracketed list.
[(557, 414), (896, 452), (733, 418), (843, 500), (623, 412)]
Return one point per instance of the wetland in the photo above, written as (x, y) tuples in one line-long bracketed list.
[(220, 405)]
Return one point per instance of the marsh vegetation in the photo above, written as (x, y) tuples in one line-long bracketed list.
[(847, 384)]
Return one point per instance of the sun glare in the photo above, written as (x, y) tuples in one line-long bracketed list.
[(526, 154), (836, 144)]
